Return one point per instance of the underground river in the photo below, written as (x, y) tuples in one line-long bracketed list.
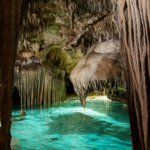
[(103, 125)]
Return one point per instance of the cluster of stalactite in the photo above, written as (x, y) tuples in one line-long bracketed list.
[(40, 85), (100, 68), (81, 7), (35, 17), (133, 20), (101, 30), (97, 85)]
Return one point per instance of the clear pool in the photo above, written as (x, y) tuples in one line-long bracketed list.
[(103, 125)]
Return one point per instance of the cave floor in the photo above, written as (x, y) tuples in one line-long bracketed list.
[(103, 125)]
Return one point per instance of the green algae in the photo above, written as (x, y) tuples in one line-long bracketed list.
[(64, 60)]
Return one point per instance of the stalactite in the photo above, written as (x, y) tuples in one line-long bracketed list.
[(38, 89), (41, 86), (105, 69)]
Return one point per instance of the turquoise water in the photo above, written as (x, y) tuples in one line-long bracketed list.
[(103, 125)]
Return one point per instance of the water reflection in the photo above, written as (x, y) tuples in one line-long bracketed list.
[(104, 125)]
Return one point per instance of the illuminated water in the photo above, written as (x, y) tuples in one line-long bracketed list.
[(104, 125)]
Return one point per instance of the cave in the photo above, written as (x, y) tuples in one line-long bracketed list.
[(75, 74)]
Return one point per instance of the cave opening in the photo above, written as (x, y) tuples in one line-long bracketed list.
[(16, 99), (53, 49)]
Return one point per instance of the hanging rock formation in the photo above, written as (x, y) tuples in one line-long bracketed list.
[(39, 84), (99, 68)]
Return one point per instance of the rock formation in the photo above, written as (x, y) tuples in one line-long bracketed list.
[(49, 26), (133, 20), (34, 32), (99, 68), (9, 24), (39, 84)]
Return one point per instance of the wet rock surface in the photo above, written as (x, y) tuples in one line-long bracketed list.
[(119, 96)]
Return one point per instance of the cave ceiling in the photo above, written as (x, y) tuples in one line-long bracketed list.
[(64, 33)]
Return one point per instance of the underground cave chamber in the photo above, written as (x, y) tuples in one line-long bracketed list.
[(78, 76)]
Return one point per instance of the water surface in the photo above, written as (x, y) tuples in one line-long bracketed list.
[(103, 125)]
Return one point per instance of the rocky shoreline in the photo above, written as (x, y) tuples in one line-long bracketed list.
[(119, 96)]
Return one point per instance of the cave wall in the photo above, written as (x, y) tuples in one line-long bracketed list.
[(132, 19), (9, 24)]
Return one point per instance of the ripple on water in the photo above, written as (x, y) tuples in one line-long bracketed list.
[(103, 125)]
